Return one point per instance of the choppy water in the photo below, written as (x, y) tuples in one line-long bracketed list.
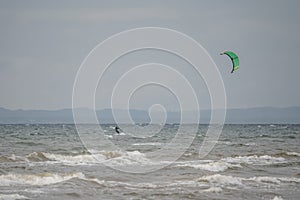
[(50, 162)]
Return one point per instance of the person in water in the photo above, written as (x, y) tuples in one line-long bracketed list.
[(117, 129)]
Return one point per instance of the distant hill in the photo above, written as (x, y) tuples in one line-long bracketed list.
[(261, 115)]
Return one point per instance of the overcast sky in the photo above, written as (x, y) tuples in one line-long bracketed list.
[(42, 45)]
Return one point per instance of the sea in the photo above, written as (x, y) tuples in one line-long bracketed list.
[(54, 161)]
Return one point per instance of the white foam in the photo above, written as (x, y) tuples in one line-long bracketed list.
[(218, 166), (289, 179), (49, 157), (76, 159), (232, 162), (11, 158), (293, 153), (282, 127), (213, 190), (95, 158), (12, 197), (250, 144), (121, 134), (181, 183), (273, 180), (110, 158), (188, 154), (256, 160), (224, 142), (221, 180), (145, 185), (278, 198), (218, 180), (147, 144), (36, 179), (130, 158), (214, 183), (36, 156), (122, 184)]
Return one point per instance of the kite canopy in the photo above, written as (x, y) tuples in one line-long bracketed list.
[(234, 58)]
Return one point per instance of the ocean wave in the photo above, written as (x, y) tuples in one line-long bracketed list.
[(11, 158), (224, 142), (74, 159), (147, 144), (231, 162), (218, 166), (36, 179), (244, 144), (287, 154), (36, 157), (213, 190), (293, 154), (272, 180), (121, 134), (221, 180), (278, 198), (250, 144), (145, 185), (110, 158), (275, 180), (255, 160), (119, 158), (227, 180), (111, 184), (109, 136), (265, 180), (130, 158), (12, 197)]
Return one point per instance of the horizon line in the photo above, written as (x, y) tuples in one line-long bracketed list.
[(138, 109)]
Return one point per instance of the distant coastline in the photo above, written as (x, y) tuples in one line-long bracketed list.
[(260, 115)]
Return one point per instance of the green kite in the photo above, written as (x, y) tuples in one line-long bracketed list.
[(234, 58)]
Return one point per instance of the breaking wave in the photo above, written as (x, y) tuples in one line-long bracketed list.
[(231, 162), (97, 157), (12, 197), (255, 160), (218, 166), (36, 179), (293, 154), (227, 180), (120, 158), (147, 144)]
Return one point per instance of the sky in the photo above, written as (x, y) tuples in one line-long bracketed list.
[(42, 45)]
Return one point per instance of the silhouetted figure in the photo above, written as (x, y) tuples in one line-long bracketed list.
[(117, 129)]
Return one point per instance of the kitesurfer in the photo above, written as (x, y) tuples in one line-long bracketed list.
[(117, 129)]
